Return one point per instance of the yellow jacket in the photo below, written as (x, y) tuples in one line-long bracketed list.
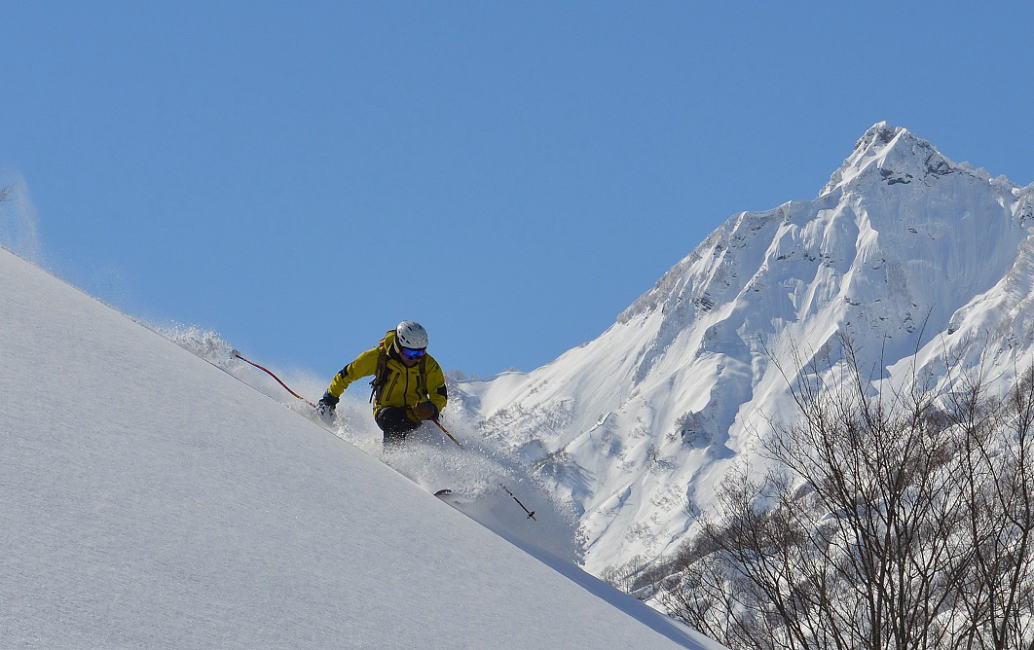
[(402, 386)]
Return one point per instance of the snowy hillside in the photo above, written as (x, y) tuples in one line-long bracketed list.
[(903, 250), (150, 500)]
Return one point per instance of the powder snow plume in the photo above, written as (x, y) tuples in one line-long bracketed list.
[(19, 223)]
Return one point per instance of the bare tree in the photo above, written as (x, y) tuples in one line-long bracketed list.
[(896, 518)]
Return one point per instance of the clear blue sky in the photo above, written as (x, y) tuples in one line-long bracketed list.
[(300, 176)]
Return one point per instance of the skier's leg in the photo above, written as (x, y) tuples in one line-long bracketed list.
[(393, 422)]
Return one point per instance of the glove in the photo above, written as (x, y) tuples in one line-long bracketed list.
[(425, 411), (325, 408)]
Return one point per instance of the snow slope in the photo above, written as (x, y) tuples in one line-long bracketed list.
[(149, 500), (903, 250)]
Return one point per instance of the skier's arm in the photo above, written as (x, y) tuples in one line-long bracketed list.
[(436, 389), (363, 366)]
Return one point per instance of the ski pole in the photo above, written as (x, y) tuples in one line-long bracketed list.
[(446, 432), (531, 515), (237, 354)]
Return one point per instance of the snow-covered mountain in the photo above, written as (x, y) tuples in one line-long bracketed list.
[(903, 250), (150, 500)]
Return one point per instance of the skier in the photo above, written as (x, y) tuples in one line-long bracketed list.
[(408, 384)]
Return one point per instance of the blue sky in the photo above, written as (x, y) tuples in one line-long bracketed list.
[(300, 176)]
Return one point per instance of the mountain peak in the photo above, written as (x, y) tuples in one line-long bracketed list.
[(897, 154), (881, 134)]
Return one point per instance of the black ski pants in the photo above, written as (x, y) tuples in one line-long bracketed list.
[(396, 426)]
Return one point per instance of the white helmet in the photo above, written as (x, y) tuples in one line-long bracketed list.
[(412, 335)]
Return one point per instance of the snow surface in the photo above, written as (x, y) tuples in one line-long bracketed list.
[(903, 250), (150, 500)]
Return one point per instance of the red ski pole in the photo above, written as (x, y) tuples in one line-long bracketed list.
[(446, 432), (237, 354)]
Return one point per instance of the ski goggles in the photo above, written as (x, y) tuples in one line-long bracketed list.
[(410, 354)]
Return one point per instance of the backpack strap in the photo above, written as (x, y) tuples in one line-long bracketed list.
[(381, 376)]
